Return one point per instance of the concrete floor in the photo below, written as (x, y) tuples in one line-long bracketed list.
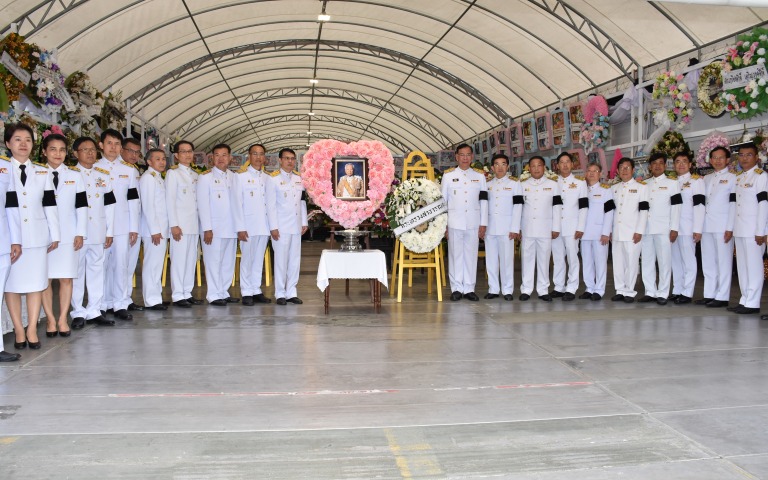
[(494, 389)]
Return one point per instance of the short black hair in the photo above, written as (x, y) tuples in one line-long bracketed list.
[(537, 157), (14, 127), (219, 146), (749, 145), (463, 145), (722, 149), (684, 153), (151, 151), (499, 155), (180, 143), (657, 155), (283, 150), (565, 154), (626, 160), (257, 145), (130, 140), (596, 164), (111, 132), (80, 140)]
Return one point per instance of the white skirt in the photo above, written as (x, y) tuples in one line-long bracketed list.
[(62, 262), (30, 272)]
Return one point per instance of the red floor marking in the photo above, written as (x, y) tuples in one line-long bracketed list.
[(341, 392)]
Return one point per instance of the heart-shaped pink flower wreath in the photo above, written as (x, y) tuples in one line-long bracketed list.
[(316, 176)]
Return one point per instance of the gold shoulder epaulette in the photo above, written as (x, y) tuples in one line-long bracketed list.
[(758, 171), (153, 174), (641, 182), (175, 167), (5, 159), (206, 172), (73, 168), (241, 171), (296, 172), (129, 164), (579, 177), (275, 173), (695, 176), (513, 178), (449, 170), (41, 164), (740, 172), (605, 185), (244, 168), (525, 179), (101, 170), (479, 170)]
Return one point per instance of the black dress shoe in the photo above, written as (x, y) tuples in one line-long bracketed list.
[(455, 296), (490, 296), (545, 298), (733, 309), (105, 312), (569, 297), (281, 301), (717, 304), (585, 296), (703, 301), (9, 357), (159, 307), (673, 298), (682, 300), (99, 321), (617, 298), (219, 303), (556, 294), (123, 314), (646, 299), (20, 345), (471, 296), (294, 300), (232, 300), (182, 304), (194, 301), (629, 299), (261, 298), (596, 297), (135, 308), (661, 301), (247, 300), (742, 310), (524, 296), (51, 334), (508, 297), (78, 323)]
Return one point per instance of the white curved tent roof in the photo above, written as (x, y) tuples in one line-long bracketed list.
[(413, 73)]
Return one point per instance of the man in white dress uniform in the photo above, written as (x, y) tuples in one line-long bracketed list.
[(8, 253), (597, 234), (153, 229), (181, 202), (252, 221), (131, 153), (287, 199)]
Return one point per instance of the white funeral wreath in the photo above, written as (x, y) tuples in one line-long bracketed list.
[(408, 197)]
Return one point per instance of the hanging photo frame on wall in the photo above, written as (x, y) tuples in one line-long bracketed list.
[(516, 140), (580, 162), (492, 142), (501, 136), (561, 134), (544, 131), (576, 120), (529, 136)]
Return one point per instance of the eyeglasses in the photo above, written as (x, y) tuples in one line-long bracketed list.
[(748, 155), (87, 150), (133, 152), (288, 158)]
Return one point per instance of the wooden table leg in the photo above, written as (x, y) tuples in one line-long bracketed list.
[(373, 291), (377, 296), (327, 302), (346, 290)]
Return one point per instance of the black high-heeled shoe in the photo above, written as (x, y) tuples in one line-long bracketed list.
[(20, 345), (65, 334), (35, 345), (51, 334)]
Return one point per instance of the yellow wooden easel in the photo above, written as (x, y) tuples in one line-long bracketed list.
[(417, 165)]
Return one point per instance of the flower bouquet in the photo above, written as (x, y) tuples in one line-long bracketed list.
[(752, 99)]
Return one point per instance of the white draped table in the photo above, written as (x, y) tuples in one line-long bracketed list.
[(367, 264)]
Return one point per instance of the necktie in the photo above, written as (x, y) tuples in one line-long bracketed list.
[(56, 180), (23, 174)]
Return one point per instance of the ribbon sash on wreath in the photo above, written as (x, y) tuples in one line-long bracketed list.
[(421, 216)]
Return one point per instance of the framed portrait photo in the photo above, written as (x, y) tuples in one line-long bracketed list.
[(350, 178), (561, 135)]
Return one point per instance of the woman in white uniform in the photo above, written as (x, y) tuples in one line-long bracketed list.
[(72, 205), (31, 204)]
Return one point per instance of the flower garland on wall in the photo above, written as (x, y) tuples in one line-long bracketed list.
[(89, 102), (410, 196), (316, 176), (709, 89), (22, 53), (671, 144), (596, 128), (752, 99), (675, 97), (49, 82)]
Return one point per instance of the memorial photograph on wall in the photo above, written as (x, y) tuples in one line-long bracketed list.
[(560, 131), (529, 136), (350, 176), (515, 140), (576, 120)]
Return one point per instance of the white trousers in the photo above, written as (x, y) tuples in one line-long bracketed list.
[(287, 263), (657, 249), (183, 263), (117, 276), (90, 275), (219, 258), (152, 271), (133, 261), (717, 265), (565, 249), (462, 264), (5, 267), (500, 263), (594, 258), (536, 253), (684, 268), (252, 264), (749, 265), (626, 256)]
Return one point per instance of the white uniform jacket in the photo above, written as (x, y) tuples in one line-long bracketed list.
[(573, 214), (181, 199), (693, 208), (125, 188), (664, 202), (32, 207), (6, 179), (720, 193), (466, 194), (154, 218), (250, 202), (751, 203), (214, 203), (101, 205), (505, 202), (287, 200), (541, 208), (72, 203), (631, 199), (600, 212)]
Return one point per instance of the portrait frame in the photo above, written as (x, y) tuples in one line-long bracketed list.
[(561, 121), (576, 121), (515, 137), (338, 171), (544, 131), (529, 136), (580, 162)]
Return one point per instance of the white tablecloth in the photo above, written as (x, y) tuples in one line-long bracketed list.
[(364, 264)]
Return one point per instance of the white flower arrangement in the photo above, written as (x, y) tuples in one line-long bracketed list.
[(408, 197)]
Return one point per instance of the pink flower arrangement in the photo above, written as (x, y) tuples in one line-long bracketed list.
[(316, 176), (715, 139), (676, 98)]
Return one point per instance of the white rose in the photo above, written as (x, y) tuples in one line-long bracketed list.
[(761, 82), (760, 61), (744, 110), (763, 38), (761, 51), (754, 93), (753, 105)]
